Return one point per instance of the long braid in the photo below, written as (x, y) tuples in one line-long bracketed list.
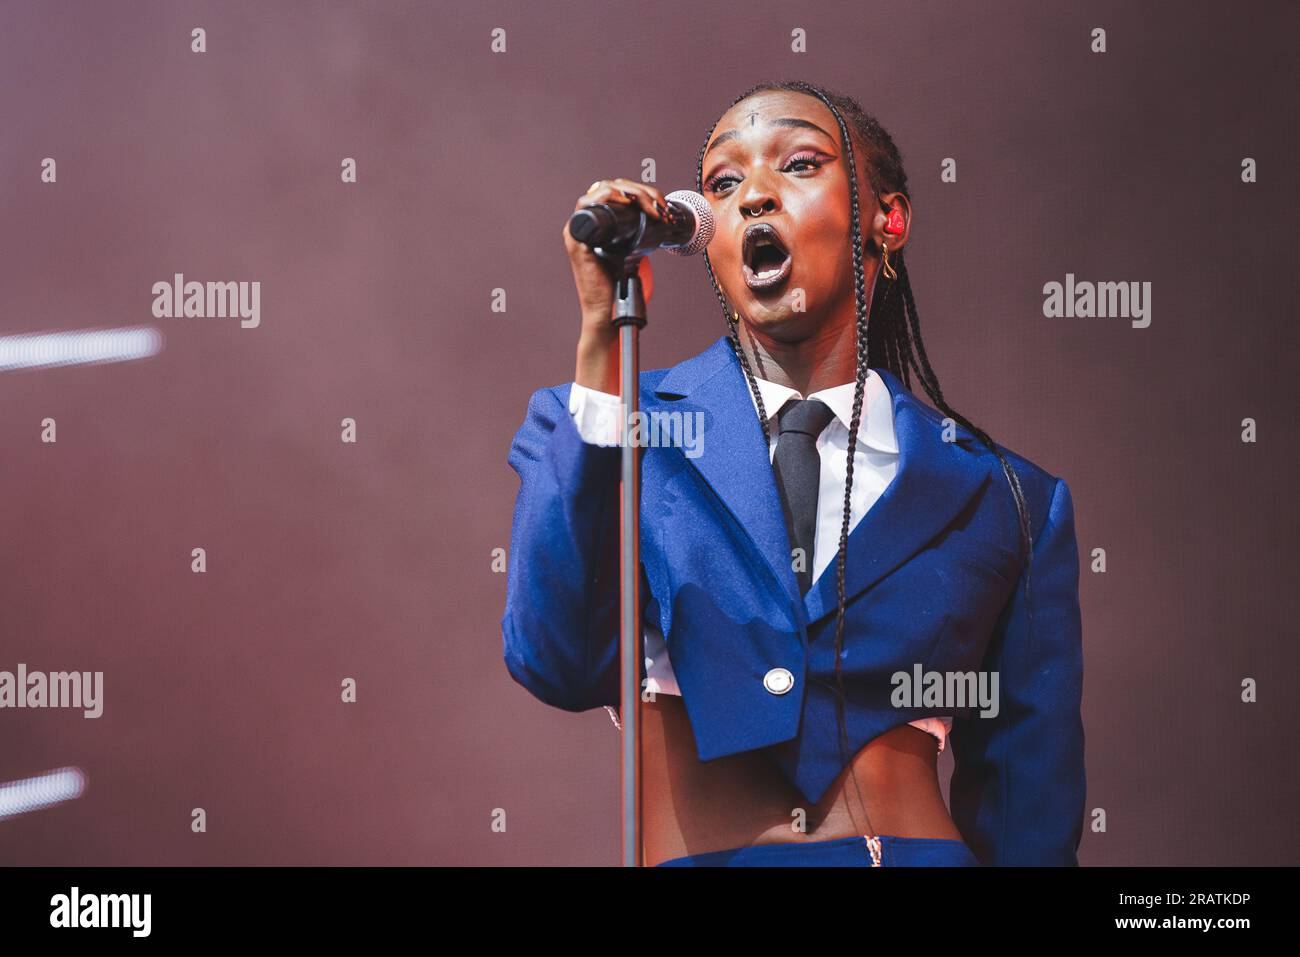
[(892, 331), (860, 381), (931, 382)]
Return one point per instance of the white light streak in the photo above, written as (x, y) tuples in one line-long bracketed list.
[(43, 350), (44, 790)]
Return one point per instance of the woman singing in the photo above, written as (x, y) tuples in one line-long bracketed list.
[(837, 584)]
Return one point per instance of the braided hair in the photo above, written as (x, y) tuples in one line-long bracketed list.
[(892, 332)]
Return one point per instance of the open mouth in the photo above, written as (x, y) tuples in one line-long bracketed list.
[(764, 258)]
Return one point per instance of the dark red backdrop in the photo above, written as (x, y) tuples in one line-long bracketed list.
[(373, 560)]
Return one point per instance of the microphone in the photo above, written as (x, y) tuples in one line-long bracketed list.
[(626, 230)]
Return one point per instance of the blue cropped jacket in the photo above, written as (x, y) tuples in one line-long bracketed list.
[(934, 577)]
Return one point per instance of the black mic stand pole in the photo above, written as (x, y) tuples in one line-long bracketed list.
[(629, 316), (623, 257)]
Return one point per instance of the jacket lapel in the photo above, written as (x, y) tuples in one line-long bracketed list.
[(734, 458), (935, 479)]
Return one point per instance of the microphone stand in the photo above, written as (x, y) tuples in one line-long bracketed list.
[(629, 317), (623, 256)]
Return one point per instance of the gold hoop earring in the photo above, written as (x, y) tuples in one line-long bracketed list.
[(885, 268)]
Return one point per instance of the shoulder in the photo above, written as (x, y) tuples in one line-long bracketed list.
[(1046, 493), (649, 380), (1031, 474), (676, 379)]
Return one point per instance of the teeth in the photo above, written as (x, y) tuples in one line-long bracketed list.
[(769, 272)]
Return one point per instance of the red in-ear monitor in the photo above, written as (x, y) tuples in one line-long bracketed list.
[(894, 224)]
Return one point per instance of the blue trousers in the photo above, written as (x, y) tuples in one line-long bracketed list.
[(841, 852)]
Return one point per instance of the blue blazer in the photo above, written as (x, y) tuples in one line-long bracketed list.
[(933, 578)]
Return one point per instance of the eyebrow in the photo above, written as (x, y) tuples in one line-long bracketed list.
[(789, 121)]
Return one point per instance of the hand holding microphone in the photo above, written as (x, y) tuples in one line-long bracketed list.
[(627, 217), (681, 222)]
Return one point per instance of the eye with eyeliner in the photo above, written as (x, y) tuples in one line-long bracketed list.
[(814, 159)]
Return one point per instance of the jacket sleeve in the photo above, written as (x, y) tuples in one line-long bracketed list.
[(560, 626), (1018, 789)]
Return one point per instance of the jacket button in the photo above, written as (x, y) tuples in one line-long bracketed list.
[(778, 681)]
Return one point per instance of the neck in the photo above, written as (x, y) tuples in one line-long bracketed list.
[(826, 358)]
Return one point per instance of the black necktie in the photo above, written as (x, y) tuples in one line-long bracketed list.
[(798, 475)]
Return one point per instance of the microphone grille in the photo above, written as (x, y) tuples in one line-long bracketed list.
[(703, 234)]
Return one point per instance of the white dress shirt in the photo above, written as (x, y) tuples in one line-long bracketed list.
[(875, 462)]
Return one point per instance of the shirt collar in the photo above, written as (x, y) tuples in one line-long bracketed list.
[(875, 428)]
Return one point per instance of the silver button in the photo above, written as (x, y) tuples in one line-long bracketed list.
[(778, 681)]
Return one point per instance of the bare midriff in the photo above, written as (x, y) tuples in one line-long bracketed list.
[(691, 806)]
